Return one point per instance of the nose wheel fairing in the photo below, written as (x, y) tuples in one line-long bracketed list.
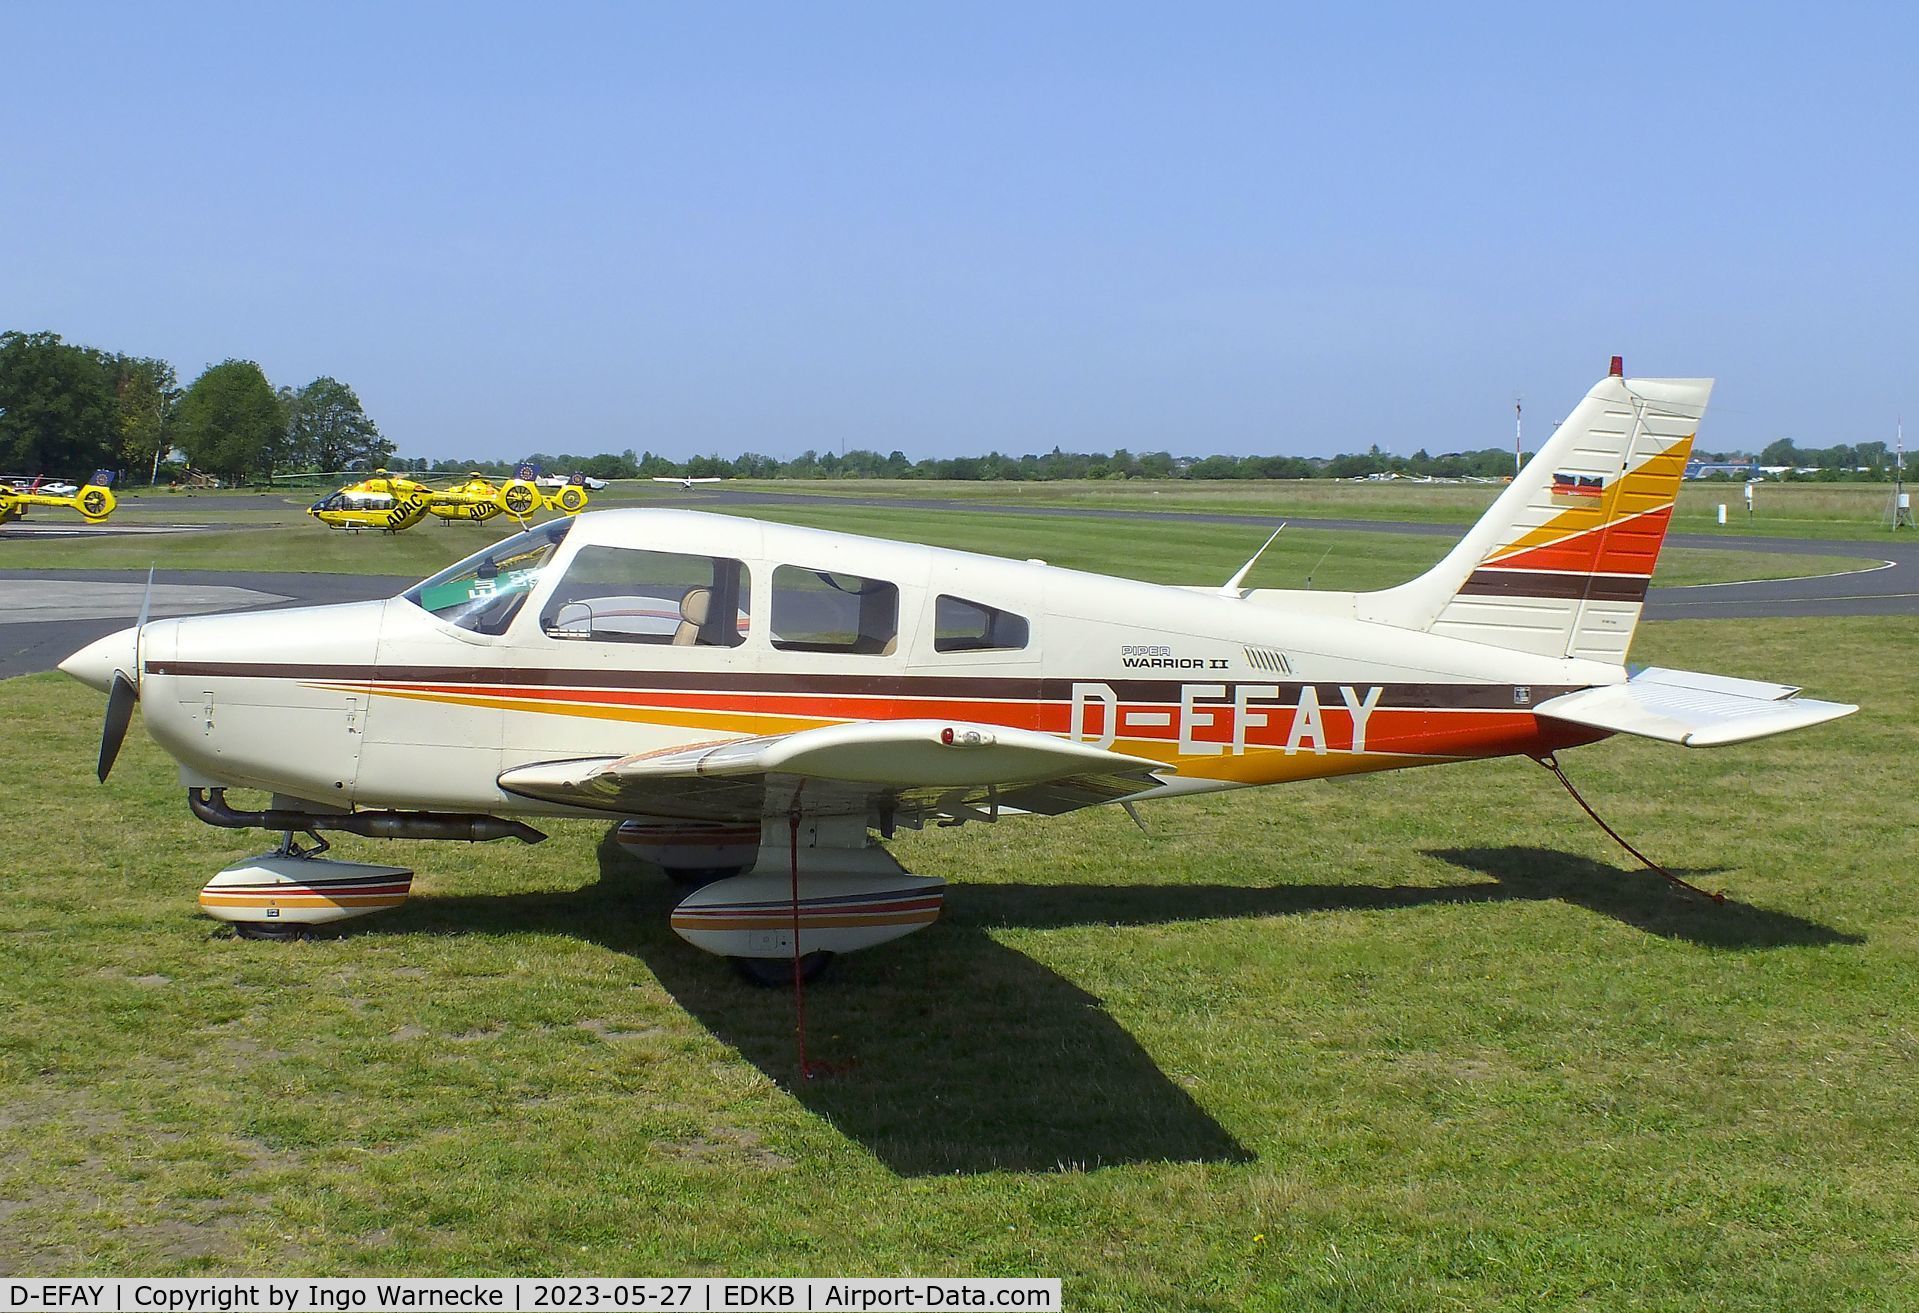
[(287, 889)]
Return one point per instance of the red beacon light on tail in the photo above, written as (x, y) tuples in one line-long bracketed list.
[(1618, 369)]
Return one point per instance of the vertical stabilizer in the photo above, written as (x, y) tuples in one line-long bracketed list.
[(1559, 564)]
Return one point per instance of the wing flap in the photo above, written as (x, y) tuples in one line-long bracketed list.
[(1693, 709), (911, 767)]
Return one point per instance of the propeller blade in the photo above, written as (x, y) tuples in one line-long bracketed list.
[(146, 599), (125, 691), (140, 636), (113, 732)]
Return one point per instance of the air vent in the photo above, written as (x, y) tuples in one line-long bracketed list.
[(1266, 658)]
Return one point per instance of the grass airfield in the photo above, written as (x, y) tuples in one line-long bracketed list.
[(1821, 510), (1407, 1041), (273, 533)]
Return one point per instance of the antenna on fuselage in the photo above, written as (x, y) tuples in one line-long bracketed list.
[(1231, 587), (1316, 564)]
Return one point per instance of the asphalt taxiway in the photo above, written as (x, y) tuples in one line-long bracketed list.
[(1890, 587), (47, 614)]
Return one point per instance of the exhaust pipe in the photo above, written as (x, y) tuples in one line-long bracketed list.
[(210, 805)]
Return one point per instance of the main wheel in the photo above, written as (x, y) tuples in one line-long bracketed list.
[(693, 877), (278, 932), (777, 972)]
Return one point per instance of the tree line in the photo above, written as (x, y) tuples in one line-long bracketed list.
[(1865, 460), (862, 463), (68, 409)]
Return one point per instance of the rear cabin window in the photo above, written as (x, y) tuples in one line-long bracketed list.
[(624, 595), (963, 626), (820, 611)]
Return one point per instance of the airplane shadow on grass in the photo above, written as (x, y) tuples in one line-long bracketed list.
[(959, 1054)]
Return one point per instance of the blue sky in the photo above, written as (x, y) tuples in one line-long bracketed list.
[(1215, 228)]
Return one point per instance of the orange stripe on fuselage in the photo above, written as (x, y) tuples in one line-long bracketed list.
[(1629, 547), (1394, 736), (1649, 487)]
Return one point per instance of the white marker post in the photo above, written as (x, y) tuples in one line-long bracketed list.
[(1722, 513), (1749, 499)]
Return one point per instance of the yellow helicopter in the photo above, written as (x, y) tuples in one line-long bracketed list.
[(94, 499), (391, 502), (476, 499), (568, 498), (387, 502)]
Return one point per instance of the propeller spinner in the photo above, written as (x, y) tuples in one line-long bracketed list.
[(112, 665)]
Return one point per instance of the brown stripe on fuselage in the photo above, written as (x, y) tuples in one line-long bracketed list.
[(1430, 696), (1551, 583)]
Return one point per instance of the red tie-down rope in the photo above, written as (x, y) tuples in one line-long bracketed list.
[(809, 1070), (799, 973), (1551, 763)]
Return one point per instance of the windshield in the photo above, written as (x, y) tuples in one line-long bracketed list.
[(485, 591)]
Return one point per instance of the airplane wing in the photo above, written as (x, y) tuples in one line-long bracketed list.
[(914, 768), (1696, 710)]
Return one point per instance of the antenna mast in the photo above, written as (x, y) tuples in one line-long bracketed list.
[(1900, 512), (1519, 432)]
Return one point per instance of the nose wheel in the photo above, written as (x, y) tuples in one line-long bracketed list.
[(693, 877), (275, 932), (777, 972)]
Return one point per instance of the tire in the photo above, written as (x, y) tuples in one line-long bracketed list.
[(273, 932), (694, 877), (777, 972)]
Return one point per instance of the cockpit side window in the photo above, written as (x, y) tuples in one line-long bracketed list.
[(823, 611), (485, 591), (963, 626), (627, 595)]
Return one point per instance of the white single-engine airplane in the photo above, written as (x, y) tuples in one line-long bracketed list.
[(751, 701)]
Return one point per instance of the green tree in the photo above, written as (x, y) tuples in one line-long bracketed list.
[(57, 407), (328, 429), (608, 466), (146, 393), (1782, 452), (231, 422)]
